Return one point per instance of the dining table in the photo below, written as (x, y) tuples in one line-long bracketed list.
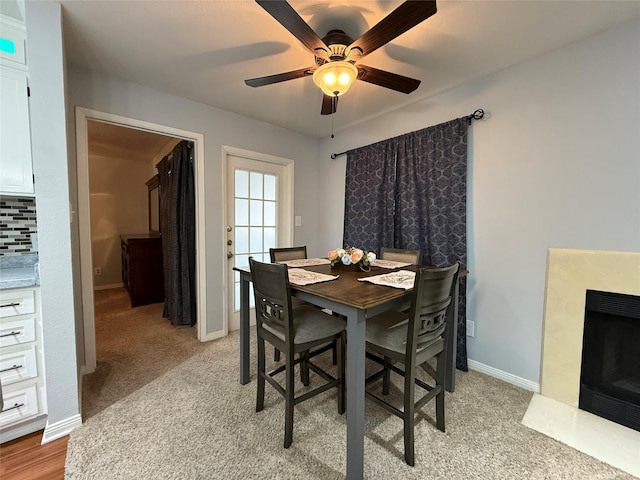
[(356, 300)]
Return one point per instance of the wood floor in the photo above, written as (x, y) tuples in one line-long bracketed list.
[(25, 459)]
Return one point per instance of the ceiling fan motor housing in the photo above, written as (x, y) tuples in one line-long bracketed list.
[(337, 42)]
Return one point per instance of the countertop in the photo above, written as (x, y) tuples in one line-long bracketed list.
[(17, 271)]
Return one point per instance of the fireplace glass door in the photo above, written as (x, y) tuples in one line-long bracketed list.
[(610, 373)]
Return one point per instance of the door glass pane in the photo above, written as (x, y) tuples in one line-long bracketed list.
[(270, 187), (255, 212), (255, 242), (255, 185), (270, 214), (242, 240), (242, 260), (242, 183), (242, 211), (269, 238)]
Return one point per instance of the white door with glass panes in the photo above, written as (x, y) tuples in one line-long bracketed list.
[(259, 217)]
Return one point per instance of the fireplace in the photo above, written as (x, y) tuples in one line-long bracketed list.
[(555, 410), (610, 372)]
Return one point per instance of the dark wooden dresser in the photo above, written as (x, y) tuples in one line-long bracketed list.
[(142, 273)]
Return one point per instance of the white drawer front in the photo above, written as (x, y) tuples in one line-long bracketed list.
[(16, 302), (19, 405), (18, 364), (17, 332)]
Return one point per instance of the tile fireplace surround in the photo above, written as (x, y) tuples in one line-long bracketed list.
[(554, 411)]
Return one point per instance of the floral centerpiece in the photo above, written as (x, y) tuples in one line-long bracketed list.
[(352, 256)]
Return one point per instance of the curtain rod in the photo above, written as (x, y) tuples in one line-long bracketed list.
[(477, 115)]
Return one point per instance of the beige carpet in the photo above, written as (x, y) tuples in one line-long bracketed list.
[(163, 406)]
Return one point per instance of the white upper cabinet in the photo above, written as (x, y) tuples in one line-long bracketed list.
[(12, 43), (16, 170)]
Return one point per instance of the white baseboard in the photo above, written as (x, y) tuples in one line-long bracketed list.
[(504, 376), (60, 429), (23, 428), (107, 287)]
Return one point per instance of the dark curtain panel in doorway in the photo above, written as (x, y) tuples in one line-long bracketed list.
[(427, 200), (177, 223)]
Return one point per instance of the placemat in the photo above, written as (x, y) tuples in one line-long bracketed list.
[(305, 262), (300, 276), (378, 262), (401, 279)]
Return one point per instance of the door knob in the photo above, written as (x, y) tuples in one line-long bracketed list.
[(229, 242), (229, 255), (229, 228)]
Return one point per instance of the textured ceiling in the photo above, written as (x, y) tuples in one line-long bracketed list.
[(204, 50)]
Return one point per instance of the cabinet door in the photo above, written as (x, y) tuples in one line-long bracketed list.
[(16, 174)]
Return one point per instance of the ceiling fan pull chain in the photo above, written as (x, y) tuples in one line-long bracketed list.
[(334, 100)]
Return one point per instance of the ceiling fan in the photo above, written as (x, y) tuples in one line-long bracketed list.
[(337, 56)]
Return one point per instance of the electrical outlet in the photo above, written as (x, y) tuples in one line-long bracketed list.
[(97, 271), (298, 221), (471, 328)]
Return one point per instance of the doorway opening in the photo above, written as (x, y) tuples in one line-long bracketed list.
[(83, 117)]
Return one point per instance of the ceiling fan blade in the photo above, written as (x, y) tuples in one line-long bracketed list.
[(329, 105), (279, 77), (289, 19), (396, 82), (403, 18)]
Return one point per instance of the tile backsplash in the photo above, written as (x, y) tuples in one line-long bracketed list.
[(18, 227)]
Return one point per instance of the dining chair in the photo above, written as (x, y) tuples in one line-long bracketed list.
[(287, 253), (411, 339), (282, 254), (401, 255), (292, 331)]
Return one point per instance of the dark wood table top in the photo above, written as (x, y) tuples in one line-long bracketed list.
[(347, 289)]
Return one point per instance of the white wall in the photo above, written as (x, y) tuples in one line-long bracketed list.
[(119, 204), (107, 94), (49, 151), (555, 164)]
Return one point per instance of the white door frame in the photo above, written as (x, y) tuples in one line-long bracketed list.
[(83, 115), (287, 223)]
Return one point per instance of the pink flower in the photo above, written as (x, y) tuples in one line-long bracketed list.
[(332, 255), (356, 255)]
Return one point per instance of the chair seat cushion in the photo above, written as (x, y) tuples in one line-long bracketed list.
[(310, 324), (388, 330)]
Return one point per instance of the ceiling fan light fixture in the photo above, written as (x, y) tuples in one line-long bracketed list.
[(335, 78)]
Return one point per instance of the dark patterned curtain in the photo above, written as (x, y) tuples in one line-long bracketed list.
[(427, 200), (369, 191), (177, 223)]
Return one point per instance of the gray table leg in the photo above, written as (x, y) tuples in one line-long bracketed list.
[(452, 341), (355, 393), (244, 329)]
